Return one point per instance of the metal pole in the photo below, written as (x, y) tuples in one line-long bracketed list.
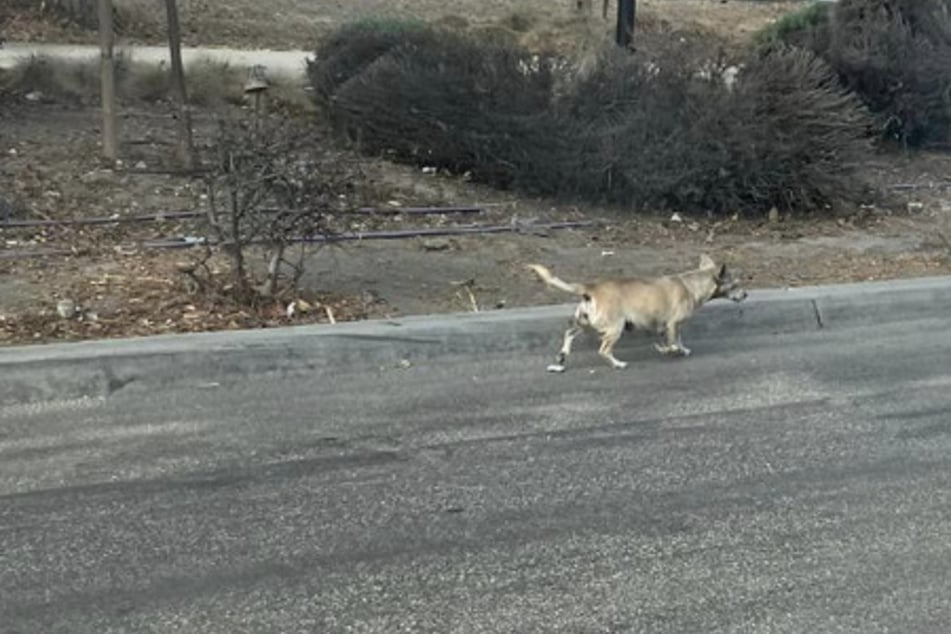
[(626, 10)]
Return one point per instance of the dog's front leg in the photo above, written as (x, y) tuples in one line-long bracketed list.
[(674, 344), (573, 331)]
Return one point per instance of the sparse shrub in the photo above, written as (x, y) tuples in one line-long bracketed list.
[(270, 188), (209, 83), (146, 82), (66, 81), (212, 82)]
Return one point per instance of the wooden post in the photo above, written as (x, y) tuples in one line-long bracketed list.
[(256, 86), (185, 146), (107, 76)]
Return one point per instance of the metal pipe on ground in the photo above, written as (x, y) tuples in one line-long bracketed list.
[(185, 215), (185, 243)]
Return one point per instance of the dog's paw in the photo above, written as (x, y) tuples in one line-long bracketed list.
[(619, 365), (661, 348), (556, 368), (684, 351)]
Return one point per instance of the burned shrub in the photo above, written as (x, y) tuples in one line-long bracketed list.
[(896, 55), (619, 129), (795, 137), (453, 102), (653, 134), (679, 126), (354, 47)]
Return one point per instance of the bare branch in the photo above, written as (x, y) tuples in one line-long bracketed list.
[(279, 186)]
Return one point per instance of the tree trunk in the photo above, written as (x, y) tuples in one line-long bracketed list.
[(110, 142), (185, 148)]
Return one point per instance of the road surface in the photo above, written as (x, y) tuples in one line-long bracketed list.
[(773, 484)]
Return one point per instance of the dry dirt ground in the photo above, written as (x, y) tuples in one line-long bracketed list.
[(49, 169), (284, 24)]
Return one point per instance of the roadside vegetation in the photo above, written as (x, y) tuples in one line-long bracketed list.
[(680, 124), (894, 54), (676, 125)]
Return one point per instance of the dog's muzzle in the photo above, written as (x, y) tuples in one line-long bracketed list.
[(737, 295)]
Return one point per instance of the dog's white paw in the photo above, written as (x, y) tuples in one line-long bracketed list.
[(555, 367), (661, 348), (684, 351), (619, 365)]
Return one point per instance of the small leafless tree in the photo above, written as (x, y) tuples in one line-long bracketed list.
[(185, 145), (107, 68), (273, 193)]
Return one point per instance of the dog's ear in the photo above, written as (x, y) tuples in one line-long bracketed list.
[(722, 273), (706, 262)]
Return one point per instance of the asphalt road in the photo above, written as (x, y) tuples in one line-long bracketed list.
[(777, 484)]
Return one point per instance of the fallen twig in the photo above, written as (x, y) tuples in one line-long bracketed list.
[(467, 285), (14, 254), (909, 186)]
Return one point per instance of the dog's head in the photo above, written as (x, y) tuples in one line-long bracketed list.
[(727, 287)]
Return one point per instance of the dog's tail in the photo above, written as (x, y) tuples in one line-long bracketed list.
[(551, 280)]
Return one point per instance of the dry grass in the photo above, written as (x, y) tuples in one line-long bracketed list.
[(210, 83), (56, 79)]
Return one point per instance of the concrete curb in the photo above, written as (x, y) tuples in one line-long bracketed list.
[(99, 368)]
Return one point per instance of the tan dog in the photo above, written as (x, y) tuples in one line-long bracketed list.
[(659, 304)]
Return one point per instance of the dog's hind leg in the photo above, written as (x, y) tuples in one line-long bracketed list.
[(573, 331), (608, 339)]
